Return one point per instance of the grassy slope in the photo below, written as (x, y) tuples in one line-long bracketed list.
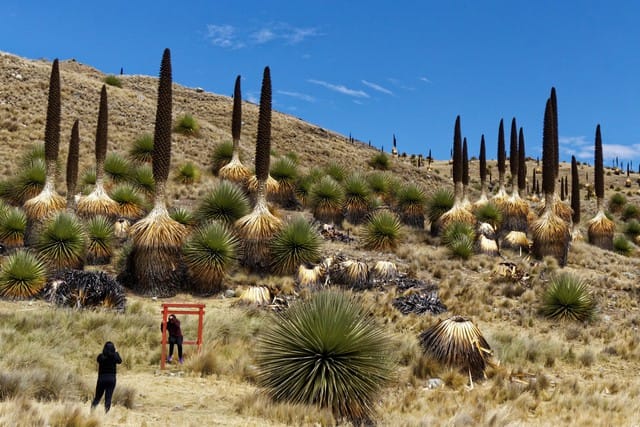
[(583, 367)]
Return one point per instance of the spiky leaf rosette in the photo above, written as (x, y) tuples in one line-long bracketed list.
[(52, 127), (222, 155), (568, 297), (22, 275), (351, 274), (209, 254), (513, 154), (357, 198), (457, 213), (412, 203), (551, 237), (284, 170), (295, 244), (382, 231), (162, 132), (263, 140), (100, 233), (522, 163), (226, 202), (142, 149), (457, 343), (62, 242), (131, 204), (13, 224), (501, 157), (440, 202), (183, 215), (326, 352), (326, 199), (575, 191), (72, 164), (600, 231)]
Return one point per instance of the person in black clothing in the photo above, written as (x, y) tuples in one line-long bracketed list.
[(107, 361), (175, 337)]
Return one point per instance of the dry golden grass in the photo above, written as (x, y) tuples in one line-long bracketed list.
[(549, 374)]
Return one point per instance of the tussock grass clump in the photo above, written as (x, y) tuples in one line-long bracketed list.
[(568, 297), (112, 80), (457, 343), (617, 201), (100, 234), (62, 242), (382, 231), (187, 125), (209, 254), (188, 173), (326, 199), (411, 205), (226, 202), (326, 352), (22, 275), (380, 161), (13, 224), (295, 244), (622, 245), (141, 150)]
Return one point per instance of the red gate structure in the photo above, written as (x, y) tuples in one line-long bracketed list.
[(179, 308)]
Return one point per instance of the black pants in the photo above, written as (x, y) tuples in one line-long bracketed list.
[(177, 341), (106, 384)]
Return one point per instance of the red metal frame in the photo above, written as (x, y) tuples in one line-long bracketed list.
[(180, 308)]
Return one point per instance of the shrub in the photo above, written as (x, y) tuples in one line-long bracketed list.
[(22, 275), (568, 297), (226, 203), (112, 80), (617, 202), (630, 212), (142, 149), (209, 254), (326, 352), (380, 161), (622, 245), (188, 173), (632, 228), (117, 168), (222, 155), (62, 243), (295, 244), (382, 231), (100, 235), (187, 125)]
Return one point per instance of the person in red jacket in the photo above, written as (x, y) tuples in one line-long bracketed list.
[(175, 337), (107, 361)]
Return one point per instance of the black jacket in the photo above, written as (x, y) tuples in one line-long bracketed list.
[(107, 363)]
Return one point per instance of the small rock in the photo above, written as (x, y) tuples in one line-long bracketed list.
[(434, 383), (18, 76), (229, 293), (199, 90)]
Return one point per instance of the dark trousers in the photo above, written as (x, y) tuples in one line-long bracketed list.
[(175, 341), (106, 384)]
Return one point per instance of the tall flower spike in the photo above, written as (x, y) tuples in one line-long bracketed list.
[(263, 143), (162, 132)]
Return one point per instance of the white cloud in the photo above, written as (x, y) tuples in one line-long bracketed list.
[(341, 89), (425, 79), (264, 35), (399, 84), (377, 87), (583, 149), (298, 95), (223, 36)]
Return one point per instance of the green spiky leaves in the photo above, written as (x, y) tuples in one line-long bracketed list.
[(22, 275), (326, 352), (382, 231), (62, 242), (226, 203), (263, 142), (568, 297), (295, 244)]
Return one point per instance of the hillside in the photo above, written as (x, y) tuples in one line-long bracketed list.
[(549, 372)]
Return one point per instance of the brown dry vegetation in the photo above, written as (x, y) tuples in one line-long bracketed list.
[(550, 373)]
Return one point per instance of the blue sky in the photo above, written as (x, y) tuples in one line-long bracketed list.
[(375, 68)]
